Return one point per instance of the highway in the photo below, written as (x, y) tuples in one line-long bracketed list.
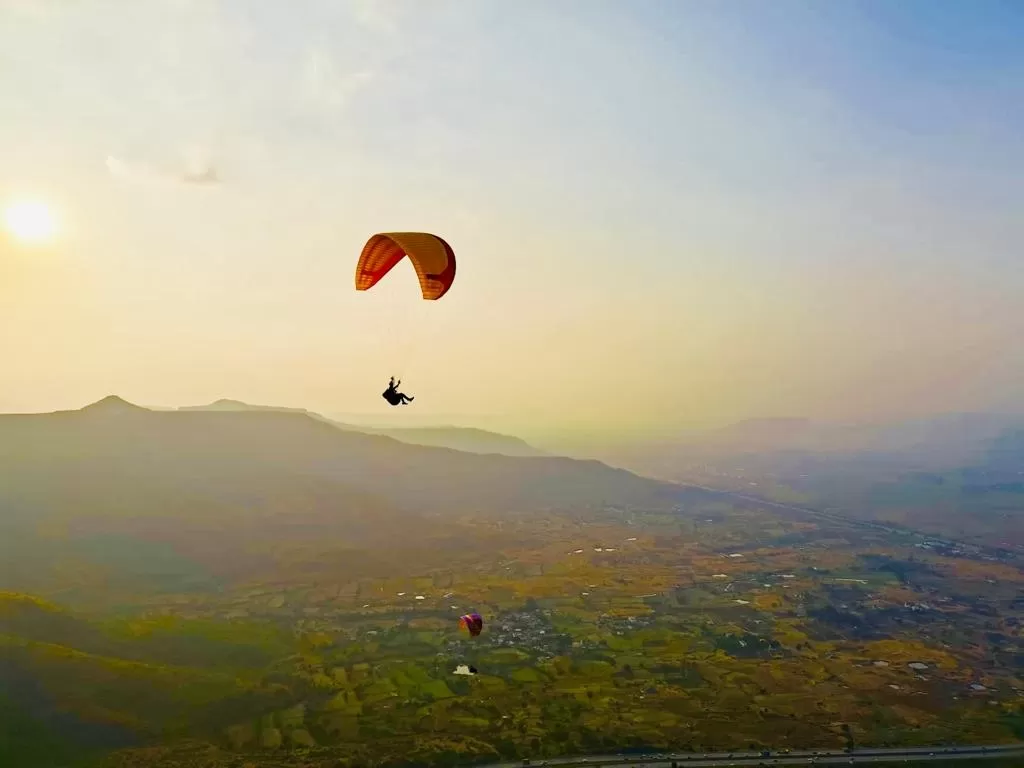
[(916, 755)]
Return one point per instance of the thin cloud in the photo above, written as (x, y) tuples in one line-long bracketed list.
[(37, 10), (200, 172), (122, 170), (199, 167), (325, 86), (377, 15), (207, 176)]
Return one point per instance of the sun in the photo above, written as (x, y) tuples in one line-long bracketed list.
[(30, 222)]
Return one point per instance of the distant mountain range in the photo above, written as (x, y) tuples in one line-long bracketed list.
[(458, 438), (947, 440), (192, 495), (959, 475)]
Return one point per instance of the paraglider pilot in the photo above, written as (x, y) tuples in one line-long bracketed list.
[(393, 396)]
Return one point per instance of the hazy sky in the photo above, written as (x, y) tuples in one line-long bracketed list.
[(666, 213)]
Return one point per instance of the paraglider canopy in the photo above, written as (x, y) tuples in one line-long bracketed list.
[(432, 258), (472, 622)]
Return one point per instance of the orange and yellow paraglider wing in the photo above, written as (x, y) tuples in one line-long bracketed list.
[(430, 255)]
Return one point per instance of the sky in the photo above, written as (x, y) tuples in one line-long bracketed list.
[(667, 213)]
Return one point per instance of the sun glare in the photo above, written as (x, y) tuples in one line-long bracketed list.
[(30, 222)]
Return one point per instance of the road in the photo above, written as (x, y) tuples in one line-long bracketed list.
[(795, 757)]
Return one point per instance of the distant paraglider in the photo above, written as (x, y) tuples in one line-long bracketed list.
[(473, 623)]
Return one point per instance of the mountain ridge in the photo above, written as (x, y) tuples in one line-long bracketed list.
[(467, 439)]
